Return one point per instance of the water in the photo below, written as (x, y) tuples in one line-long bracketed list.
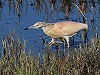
[(10, 21)]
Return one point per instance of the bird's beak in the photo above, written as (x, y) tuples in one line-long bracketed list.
[(34, 27), (31, 27), (26, 29)]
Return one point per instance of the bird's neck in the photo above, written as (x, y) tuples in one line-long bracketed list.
[(47, 27)]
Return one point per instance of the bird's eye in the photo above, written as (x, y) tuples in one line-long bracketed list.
[(36, 25)]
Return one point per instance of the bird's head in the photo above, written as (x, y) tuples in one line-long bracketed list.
[(37, 25)]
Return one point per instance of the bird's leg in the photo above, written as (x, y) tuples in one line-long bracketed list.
[(64, 43), (67, 39), (68, 42), (52, 42)]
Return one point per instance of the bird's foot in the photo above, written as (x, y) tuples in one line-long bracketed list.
[(51, 43), (54, 42)]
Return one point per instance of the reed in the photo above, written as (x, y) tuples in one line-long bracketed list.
[(16, 61)]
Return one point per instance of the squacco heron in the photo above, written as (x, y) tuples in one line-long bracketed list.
[(64, 29)]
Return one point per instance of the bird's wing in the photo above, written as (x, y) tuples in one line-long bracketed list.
[(68, 28)]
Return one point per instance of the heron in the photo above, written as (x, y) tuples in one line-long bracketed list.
[(65, 29)]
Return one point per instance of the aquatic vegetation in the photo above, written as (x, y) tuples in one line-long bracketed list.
[(82, 60), (16, 61)]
